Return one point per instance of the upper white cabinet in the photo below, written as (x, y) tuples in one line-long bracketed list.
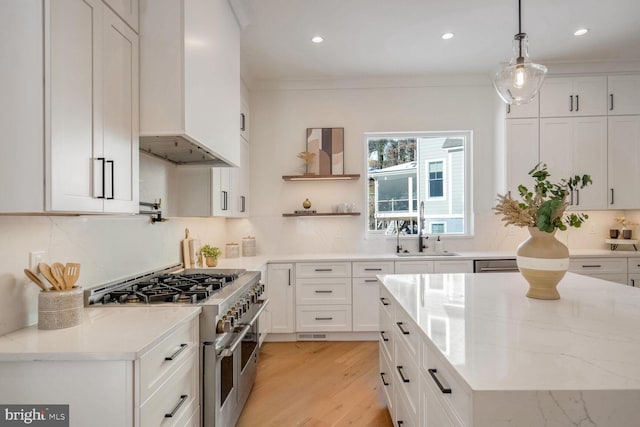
[(190, 74), (90, 104), (245, 115), (573, 96), (127, 10), (522, 152), (577, 146), (624, 158), (624, 95), (240, 187)]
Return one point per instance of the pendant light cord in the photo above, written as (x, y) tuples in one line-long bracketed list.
[(519, 30)]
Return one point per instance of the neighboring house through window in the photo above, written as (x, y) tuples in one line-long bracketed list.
[(436, 180)]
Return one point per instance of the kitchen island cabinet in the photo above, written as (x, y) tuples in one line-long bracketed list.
[(489, 356), (109, 373)]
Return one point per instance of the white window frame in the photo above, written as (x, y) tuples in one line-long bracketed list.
[(468, 173), (445, 181)]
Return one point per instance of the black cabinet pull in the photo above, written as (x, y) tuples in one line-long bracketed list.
[(577, 102), (183, 398), (370, 281), (385, 339), (242, 119), (324, 292), (401, 372), (372, 269), (577, 197), (633, 283), (591, 266), (324, 318), (433, 373), (103, 160), (383, 380), (611, 103), (113, 171), (612, 196), (324, 269), (570, 102), (508, 109), (384, 301), (242, 203), (182, 348), (289, 276), (571, 198), (402, 329), (400, 423)]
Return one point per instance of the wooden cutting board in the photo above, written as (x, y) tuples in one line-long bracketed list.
[(186, 249)]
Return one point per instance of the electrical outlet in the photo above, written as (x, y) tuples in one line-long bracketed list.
[(35, 258)]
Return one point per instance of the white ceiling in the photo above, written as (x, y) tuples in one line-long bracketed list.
[(401, 38)]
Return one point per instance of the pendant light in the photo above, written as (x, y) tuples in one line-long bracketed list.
[(519, 82)]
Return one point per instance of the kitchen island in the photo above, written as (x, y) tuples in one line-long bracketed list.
[(472, 350)]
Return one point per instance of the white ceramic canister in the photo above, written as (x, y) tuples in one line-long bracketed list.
[(232, 250), (248, 246)]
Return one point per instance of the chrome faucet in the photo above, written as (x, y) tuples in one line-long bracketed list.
[(421, 237)]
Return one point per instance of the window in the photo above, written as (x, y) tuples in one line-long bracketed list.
[(405, 169), (436, 187)]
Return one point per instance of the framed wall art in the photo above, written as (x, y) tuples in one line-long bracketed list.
[(328, 146)]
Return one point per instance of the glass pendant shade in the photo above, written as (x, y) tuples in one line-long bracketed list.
[(519, 82)]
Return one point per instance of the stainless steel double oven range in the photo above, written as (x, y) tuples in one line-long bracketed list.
[(231, 301)]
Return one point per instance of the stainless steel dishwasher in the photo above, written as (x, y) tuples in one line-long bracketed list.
[(505, 265)]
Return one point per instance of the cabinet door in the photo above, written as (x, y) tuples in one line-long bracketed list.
[(624, 95), (465, 266), (221, 200), (127, 10), (522, 152), (244, 119), (120, 114), (633, 280), (555, 97), (623, 159), (414, 267), (529, 110), (73, 105), (590, 157), (280, 283), (590, 96), (556, 147), (240, 182), (365, 304)]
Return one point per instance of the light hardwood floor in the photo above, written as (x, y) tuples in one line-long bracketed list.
[(317, 384)]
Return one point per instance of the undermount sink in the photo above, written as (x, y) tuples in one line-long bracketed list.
[(426, 254)]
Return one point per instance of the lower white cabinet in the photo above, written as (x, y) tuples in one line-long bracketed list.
[(366, 294), (612, 269), (280, 290), (414, 267), (434, 412)]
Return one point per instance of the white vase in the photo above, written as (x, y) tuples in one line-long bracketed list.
[(543, 261)]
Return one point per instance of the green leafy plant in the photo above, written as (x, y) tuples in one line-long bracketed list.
[(210, 251), (544, 206)]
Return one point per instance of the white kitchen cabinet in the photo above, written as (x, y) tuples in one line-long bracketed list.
[(366, 293), (453, 266), (245, 116), (280, 290), (624, 94), (633, 271), (577, 146), (221, 195), (522, 151), (190, 75), (240, 183), (89, 159), (127, 10), (623, 159), (528, 110), (414, 267), (611, 269), (573, 96)]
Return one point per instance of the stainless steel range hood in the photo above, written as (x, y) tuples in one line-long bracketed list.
[(179, 149)]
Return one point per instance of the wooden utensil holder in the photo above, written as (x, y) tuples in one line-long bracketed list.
[(60, 309)]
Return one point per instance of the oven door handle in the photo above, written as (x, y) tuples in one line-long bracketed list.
[(228, 350)]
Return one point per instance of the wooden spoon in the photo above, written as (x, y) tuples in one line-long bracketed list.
[(46, 272), (35, 279), (71, 274), (57, 270)]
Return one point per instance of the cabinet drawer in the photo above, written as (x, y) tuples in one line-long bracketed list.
[(434, 411), (370, 269), (407, 377), (323, 291), (463, 266), (154, 365), (633, 265), (387, 335), (598, 265), (615, 278), (177, 396), (388, 380), (386, 303), (407, 332), (323, 269), (404, 416), (323, 318), (414, 267), (434, 368)]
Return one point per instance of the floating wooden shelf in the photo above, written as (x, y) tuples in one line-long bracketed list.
[(323, 214), (320, 177)]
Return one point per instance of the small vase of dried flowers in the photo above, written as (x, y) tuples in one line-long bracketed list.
[(307, 157), (542, 259), (627, 227)]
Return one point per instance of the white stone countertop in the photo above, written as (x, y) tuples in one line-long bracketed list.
[(107, 333), (498, 339)]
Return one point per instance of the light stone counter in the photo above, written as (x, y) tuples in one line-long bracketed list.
[(572, 361), (109, 333)]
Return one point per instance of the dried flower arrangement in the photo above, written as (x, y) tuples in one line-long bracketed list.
[(624, 222), (307, 157), (543, 207)]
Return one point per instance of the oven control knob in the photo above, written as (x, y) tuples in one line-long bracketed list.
[(224, 325)]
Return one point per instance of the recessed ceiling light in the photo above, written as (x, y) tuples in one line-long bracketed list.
[(447, 36), (317, 39), (581, 32)]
